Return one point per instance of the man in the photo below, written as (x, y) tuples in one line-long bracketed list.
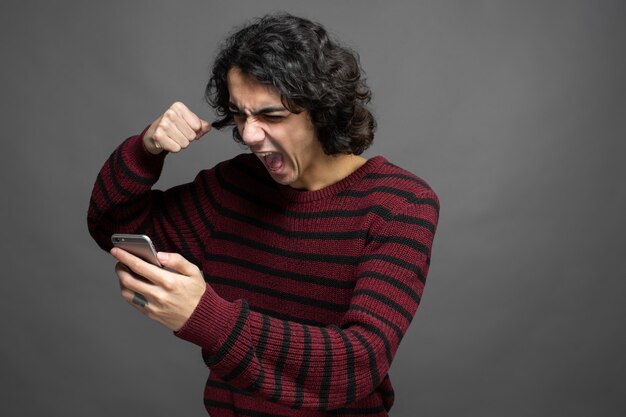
[(298, 267)]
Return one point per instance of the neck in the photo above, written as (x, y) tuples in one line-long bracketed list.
[(331, 169)]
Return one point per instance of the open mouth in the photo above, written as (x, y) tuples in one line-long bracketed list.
[(273, 160)]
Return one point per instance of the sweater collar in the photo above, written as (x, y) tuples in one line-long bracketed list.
[(294, 195)]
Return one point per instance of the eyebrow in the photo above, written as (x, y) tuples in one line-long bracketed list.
[(263, 110)]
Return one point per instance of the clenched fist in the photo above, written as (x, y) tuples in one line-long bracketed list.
[(174, 130)]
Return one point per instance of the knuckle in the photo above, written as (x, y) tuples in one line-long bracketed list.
[(123, 280), (158, 299), (169, 114), (168, 284), (159, 132)]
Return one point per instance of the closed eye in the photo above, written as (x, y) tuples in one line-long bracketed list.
[(273, 117)]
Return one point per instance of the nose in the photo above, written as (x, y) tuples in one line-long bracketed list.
[(252, 133)]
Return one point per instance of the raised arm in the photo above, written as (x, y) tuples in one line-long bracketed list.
[(122, 200)]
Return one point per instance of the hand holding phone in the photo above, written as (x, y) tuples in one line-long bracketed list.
[(143, 285), (139, 245)]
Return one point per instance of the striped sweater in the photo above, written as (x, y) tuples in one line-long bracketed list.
[(310, 292)]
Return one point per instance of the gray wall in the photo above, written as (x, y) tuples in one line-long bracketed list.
[(515, 112)]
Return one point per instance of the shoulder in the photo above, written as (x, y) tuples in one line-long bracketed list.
[(393, 187), (406, 204)]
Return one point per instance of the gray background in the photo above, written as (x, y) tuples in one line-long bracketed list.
[(515, 112)]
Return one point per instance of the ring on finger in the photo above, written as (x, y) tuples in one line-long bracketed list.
[(140, 300)]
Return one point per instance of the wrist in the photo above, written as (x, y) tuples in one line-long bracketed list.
[(148, 143)]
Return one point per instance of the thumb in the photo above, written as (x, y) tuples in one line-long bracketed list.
[(204, 128), (178, 263)]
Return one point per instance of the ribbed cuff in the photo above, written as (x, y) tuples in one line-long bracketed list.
[(211, 322), (140, 160)]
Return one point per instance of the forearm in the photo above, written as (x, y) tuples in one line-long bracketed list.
[(121, 200), (300, 366)]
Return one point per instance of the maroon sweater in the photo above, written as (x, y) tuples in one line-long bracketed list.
[(309, 293)]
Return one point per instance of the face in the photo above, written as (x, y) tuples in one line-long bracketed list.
[(285, 142)]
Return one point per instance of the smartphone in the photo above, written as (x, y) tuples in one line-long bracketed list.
[(139, 245)]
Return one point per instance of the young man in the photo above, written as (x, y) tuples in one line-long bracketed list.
[(300, 264)]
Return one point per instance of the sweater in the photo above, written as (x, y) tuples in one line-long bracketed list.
[(309, 292)]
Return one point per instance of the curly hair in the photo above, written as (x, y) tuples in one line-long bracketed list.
[(311, 71)]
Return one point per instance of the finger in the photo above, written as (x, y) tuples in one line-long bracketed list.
[(167, 137), (177, 131), (199, 126), (194, 122), (205, 127), (186, 129), (137, 300), (129, 281), (177, 263), (138, 266)]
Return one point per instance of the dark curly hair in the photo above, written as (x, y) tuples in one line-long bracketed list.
[(310, 71)]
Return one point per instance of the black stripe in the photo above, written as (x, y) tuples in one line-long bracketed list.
[(383, 337), (186, 218), (116, 184), (410, 197), (328, 365), (239, 411), (385, 300), (371, 356), (103, 191), (380, 210), (268, 205), (279, 273), (280, 362), (307, 256), (186, 251), (232, 337), (304, 368), (213, 279), (351, 380), (283, 316), (399, 262), (257, 383), (119, 160), (200, 209), (222, 385), (255, 222), (131, 209), (411, 243), (416, 221), (241, 366), (391, 281), (375, 176), (389, 323), (105, 217)]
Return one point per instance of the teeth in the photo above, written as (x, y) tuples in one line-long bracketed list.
[(264, 154)]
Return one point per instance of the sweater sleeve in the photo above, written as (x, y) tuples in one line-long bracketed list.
[(326, 367), (123, 201)]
